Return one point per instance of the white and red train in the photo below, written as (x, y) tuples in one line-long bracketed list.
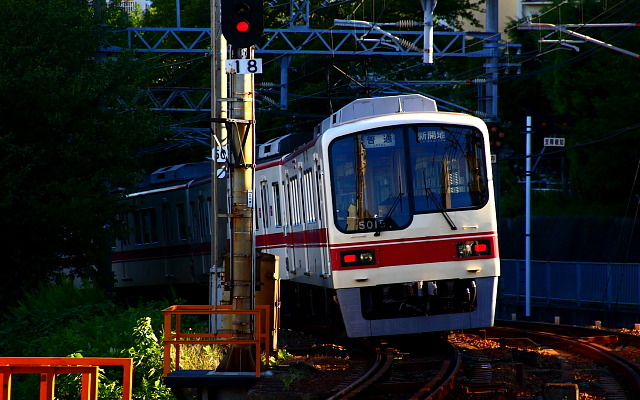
[(388, 212)]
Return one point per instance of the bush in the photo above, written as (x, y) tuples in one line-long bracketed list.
[(64, 320)]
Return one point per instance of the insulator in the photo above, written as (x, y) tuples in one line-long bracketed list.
[(407, 24), (407, 44), (269, 100), (269, 85)]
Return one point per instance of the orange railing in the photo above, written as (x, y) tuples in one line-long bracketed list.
[(173, 335), (49, 367)]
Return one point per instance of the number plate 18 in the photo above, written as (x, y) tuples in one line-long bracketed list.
[(243, 66)]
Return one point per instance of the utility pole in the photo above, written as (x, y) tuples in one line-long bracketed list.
[(241, 25), (219, 171), (527, 228), (492, 44)]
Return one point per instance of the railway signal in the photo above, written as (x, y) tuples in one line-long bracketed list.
[(242, 22), (496, 135)]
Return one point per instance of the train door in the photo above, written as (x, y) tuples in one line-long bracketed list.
[(297, 227), (288, 231), (309, 222), (322, 236)]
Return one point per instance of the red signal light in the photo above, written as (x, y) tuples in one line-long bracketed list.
[(242, 22), (242, 26)]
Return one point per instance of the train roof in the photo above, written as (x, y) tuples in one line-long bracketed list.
[(180, 172), (282, 145), (172, 177), (369, 107), (357, 109), (277, 147)]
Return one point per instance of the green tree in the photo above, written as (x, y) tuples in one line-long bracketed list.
[(66, 141), (593, 84)]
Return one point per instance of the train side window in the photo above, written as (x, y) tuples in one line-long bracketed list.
[(181, 218), (195, 221), (309, 196), (146, 226), (287, 189), (153, 225), (318, 190), (125, 241), (167, 232), (265, 204), (207, 217), (295, 200), (203, 216), (275, 187)]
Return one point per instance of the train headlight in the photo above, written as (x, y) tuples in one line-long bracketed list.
[(473, 248), (358, 258)]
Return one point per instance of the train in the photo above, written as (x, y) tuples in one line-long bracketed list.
[(384, 219)]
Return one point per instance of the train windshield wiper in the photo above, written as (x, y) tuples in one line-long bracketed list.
[(440, 208), (383, 223)]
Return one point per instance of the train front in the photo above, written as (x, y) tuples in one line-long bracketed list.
[(412, 231)]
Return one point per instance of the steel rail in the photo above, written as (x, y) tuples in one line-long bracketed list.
[(628, 371)]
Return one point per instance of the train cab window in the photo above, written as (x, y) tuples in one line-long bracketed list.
[(447, 167), (381, 178), (370, 181), (277, 212)]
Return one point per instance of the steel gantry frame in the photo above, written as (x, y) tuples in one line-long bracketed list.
[(361, 38)]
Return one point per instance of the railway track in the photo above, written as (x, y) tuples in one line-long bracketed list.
[(532, 360), (516, 362), (407, 371), (416, 367)]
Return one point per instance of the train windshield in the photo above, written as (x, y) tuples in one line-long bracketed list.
[(382, 177)]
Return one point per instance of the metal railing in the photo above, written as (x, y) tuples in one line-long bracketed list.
[(49, 367), (174, 336), (607, 284)]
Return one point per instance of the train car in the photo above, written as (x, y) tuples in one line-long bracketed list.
[(168, 244), (385, 218)]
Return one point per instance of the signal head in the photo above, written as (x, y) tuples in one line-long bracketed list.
[(242, 22)]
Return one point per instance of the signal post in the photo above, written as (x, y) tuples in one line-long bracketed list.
[(242, 26), (232, 142)]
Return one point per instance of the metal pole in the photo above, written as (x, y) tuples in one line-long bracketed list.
[(527, 228), (428, 6), (285, 61), (493, 45), (241, 124), (242, 144), (178, 20), (219, 173)]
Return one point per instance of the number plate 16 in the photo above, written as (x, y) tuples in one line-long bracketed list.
[(243, 66)]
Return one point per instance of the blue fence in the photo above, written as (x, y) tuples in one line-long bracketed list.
[(572, 284)]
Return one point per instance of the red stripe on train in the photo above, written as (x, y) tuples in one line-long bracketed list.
[(412, 252)]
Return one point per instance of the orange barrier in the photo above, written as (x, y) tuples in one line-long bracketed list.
[(173, 335), (49, 367)]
